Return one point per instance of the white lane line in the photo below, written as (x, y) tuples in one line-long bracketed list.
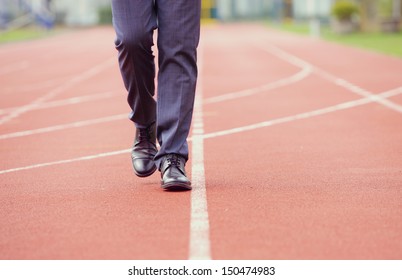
[(66, 161), (65, 102), (270, 86), (29, 87), (299, 76), (14, 68), (199, 248), (60, 89), (365, 93), (63, 126), (332, 78), (306, 115)]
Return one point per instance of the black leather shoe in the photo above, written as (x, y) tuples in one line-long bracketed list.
[(173, 174), (144, 150)]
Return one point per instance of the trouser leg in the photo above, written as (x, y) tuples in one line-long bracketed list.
[(134, 22), (178, 37)]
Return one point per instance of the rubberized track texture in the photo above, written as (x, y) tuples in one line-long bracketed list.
[(296, 153)]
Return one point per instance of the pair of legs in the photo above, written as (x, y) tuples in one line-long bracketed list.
[(178, 24)]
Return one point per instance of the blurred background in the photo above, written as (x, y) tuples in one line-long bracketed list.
[(47, 13), (365, 20)]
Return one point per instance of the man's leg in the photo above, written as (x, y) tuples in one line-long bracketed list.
[(178, 37), (134, 22)]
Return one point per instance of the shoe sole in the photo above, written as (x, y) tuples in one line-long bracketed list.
[(143, 175), (176, 186)]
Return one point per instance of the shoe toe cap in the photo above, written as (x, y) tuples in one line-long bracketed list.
[(144, 167)]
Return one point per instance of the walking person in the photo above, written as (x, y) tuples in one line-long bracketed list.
[(168, 118)]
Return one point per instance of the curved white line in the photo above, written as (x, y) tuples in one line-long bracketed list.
[(60, 89), (65, 161), (270, 86), (63, 126), (306, 115), (65, 102), (299, 76), (29, 87), (272, 49)]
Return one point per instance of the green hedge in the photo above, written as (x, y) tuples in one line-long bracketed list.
[(344, 10)]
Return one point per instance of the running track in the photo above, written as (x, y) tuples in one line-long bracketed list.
[(296, 153)]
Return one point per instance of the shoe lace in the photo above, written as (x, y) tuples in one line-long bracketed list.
[(173, 160), (144, 134), (144, 139)]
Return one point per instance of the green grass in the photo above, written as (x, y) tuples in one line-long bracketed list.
[(390, 44), (23, 34), (386, 43)]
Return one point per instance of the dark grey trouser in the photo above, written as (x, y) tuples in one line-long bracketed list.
[(178, 24)]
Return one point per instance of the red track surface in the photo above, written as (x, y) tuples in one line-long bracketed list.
[(323, 185)]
